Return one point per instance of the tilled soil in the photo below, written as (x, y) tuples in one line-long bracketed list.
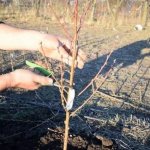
[(30, 135)]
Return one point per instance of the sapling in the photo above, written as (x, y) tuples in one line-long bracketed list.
[(68, 92)]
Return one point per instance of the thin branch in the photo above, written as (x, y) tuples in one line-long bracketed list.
[(94, 119), (63, 99), (74, 56), (25, 121), (122, 101), (109, 9), (55, 131), (90, 97), (63, 26), (82, 18), (19, 133), (100, 70), (46, 62)]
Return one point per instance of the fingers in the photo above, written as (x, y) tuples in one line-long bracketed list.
[(43, 80), (82, 55), (80, 62), (68, 44), (62, 51), (81, 58), (67, 58)]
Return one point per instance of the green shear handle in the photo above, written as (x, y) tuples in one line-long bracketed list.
[(39, 68)]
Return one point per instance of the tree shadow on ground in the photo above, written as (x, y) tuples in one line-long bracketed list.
[(124, 56)]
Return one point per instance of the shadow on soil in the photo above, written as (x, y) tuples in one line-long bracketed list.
[(124, 56), (25, 116)]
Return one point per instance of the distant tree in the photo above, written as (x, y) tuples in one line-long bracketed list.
[(113, 8), (93, 10), (145, 12), (37, 5), (16, 2)]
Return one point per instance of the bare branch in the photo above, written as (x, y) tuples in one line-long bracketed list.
[(90, 97), (82, 18), (63, 26), (100, 70)]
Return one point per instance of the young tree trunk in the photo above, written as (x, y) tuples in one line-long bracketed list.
[(145, 13), (16, 6), (114, 11), (93, 10), (72, 71), (37, 5)]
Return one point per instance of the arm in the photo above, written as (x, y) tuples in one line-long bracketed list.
[(12, 38), (4, 81), (52, 46)]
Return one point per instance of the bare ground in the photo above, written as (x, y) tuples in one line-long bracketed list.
[(119, 111)]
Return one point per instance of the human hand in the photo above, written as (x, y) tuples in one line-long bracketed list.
[(59, 48), (26, 79), (49, 45)]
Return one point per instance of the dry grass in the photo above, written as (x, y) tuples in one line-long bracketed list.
[(102, 16)]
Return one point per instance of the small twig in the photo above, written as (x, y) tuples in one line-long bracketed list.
[(122, 101), (45, 106), (100, 70), (88, 99), (37, 95), (46, 62), (49, 129), (75, 46), (123, 144), (94, 119), (19, 133), (82, 18), (25, 121), (40, 104), (139, 80), (39, 124), (13, 135), (63, 99), (11, 61), (63, 26)]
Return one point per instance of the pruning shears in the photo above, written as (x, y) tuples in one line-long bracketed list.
[(39, 68), (49, 73), (42, 70)]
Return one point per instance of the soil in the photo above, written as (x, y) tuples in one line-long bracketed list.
[(117, 116), (26, 131)]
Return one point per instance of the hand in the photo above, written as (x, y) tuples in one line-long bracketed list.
[(49, 45), (60, 49), (28, 80)]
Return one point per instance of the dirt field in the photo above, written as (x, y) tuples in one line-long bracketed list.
[(119, 111)]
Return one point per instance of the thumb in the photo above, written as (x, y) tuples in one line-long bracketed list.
[(43, 80)]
